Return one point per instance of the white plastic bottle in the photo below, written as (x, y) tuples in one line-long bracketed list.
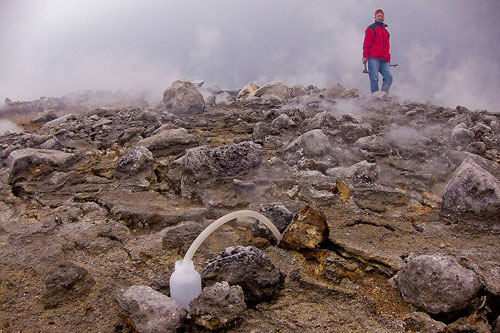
[(185, 283)]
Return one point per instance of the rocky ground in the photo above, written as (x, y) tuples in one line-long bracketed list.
[(390, 213)]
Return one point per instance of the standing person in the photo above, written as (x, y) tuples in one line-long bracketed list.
[(376, 52)]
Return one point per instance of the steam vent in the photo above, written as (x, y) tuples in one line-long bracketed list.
[(389, 211)]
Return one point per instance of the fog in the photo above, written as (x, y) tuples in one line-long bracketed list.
[(448, 51)]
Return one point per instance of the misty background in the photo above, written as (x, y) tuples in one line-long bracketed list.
[(448, 51)]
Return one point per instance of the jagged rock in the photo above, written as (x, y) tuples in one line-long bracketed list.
[(133, 162), (333, 92), (169, 142), (183, 99), (283, 122), (422, 322), (351, 132), (437, 284), (218, 306), (323, 120), (472, 194), (278, 214), (461, 134), (66, 283), (59, 121), (204, 163), (476, 148), (307, 230), (313, 144), (248, 91), (362, 171), (297, 91), (44, 117), (181, 236), (30, 163), (375, 144), (261, 130), (247, 267), (278, 88), (149, 311)]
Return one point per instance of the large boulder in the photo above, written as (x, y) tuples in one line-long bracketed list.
[(437, 284), (170, 141), (31, 163), (472, 194), (183, 99), (248, 91), (149, 311), (277, 88), (248, 267)]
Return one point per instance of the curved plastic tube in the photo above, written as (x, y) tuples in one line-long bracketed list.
[(226, 218)]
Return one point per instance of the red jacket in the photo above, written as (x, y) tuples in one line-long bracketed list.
[(376, 44)]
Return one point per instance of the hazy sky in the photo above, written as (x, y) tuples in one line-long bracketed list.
[(448, 51)]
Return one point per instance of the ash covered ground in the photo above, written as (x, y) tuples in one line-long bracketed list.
[(389, 209)]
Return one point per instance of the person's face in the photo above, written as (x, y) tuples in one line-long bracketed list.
[(379, 17)]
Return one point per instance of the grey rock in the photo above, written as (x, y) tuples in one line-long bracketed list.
[(437, 284), (183, 99), (351, 132), (297, 91), (248, 267), (375, 144), (472, 194), (312, 144), (169, 142), (277, 88), (261, 130), (248, 91), (360, 172), (133, 162), (181, 236), (283, 122), (203, 163), (218, 306), (150, 311), (66, 283), (476, 148), (278, 214), (461, 135), (323, 120), (422, 322), (59, 121), (333, 92), (224, 98), (30, 163), (44, 117)]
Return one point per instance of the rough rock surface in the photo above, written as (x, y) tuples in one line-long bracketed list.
[(277, 88), (437, 284), (66, 283), (247, 267), (150, 311), (472, 193), (218, 306), (168, 142), (133, 162), (307, 230), (182, 98)]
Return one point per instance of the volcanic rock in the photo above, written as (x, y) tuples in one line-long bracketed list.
[(472, 194), (149, 311), (181, 236), (169, 142), (313, 143), (183, 99), (248, 91), (278, 214), (307, 230), (66, 283), (133, 162), (218, 306), (248, 267), (278, 88), (437, 284)]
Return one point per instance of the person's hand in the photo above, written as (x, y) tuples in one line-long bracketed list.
[(365, 60)]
